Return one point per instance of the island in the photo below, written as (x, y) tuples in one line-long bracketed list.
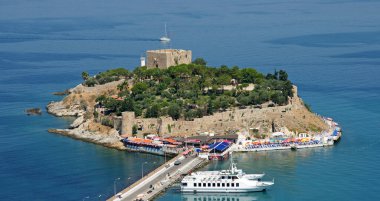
[(170, 96)]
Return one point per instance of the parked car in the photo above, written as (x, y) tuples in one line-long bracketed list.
[(177, 162)]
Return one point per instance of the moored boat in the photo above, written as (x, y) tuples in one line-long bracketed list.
[(229, 181)]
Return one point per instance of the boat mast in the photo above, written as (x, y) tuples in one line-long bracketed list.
[(166, 33)]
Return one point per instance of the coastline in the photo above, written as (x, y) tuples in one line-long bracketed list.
[(83, 128), (80, 102)]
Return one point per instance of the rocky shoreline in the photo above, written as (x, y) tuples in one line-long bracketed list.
[(81, 101), (86, 136), (84, 129)]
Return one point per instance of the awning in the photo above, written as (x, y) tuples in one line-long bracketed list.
[(186, 152), (277, 134), (220, 146)]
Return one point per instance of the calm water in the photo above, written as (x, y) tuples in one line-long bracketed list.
[(331, 49)]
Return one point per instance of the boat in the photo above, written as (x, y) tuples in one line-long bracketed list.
[(232, 180), (165, 38), (218, 197)]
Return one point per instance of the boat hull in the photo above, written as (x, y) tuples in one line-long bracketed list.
[(223, 190), (164, 39)]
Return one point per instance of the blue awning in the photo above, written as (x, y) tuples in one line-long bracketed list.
[(219, 146)]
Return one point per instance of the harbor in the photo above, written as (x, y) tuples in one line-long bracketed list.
[(196, 152), (160, 179)]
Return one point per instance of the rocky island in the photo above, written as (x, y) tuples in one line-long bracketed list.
[(183, 98)]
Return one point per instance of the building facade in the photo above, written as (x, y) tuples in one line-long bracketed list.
[(165, 58)]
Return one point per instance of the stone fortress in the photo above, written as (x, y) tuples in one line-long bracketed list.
[(165, 58), (293, 116)]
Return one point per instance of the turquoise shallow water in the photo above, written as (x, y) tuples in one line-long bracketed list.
[(331, 50)]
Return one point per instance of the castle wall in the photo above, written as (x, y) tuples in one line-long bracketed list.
[(294, 116), (218, 123)]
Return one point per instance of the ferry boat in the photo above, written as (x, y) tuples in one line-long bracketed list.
[(218, 197), (226, 181)]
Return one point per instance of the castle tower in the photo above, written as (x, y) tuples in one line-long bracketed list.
[(142, 61), (165, 58), (127, 123)]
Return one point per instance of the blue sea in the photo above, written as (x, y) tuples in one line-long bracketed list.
[(330, 49)]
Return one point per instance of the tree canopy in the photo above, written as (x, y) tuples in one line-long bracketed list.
[(194, 90)]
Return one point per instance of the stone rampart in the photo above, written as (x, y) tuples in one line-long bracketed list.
[(293, 116)]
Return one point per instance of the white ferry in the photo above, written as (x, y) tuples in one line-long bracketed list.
[(218, 197), (229, 181)]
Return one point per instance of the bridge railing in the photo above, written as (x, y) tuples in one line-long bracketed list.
[(146, 176)]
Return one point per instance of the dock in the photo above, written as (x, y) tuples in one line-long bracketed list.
[(160, 179)]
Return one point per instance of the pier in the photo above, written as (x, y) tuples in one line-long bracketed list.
[(160, 179)]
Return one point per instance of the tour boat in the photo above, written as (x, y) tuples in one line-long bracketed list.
[(228, 181), (165, 38)]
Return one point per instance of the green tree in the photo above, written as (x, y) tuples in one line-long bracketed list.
[(123, 86), (139, 88), (85, 75), (190, 115), (200, 61), (210, 108), (243, 100), (174, 111), (283, 75), (153, 111), (134, 130), (90, 82)]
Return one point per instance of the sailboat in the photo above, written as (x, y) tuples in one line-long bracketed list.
[(165, 38)]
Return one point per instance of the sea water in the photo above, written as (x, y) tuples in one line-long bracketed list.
[(330, 49)]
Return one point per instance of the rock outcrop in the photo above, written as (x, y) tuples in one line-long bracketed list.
[(94, 133), (78, 103)]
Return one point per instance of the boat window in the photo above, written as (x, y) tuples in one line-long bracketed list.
[(232, 185), (218, 184), (195, 184), (204, 184), (200, 184), (222, 177), (209, 184), (228, 184), (237, 184), (229, 177), (234, 177), (184, 184), (213, 184), (223, 184)]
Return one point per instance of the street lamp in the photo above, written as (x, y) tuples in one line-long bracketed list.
[(114, 185), (165, 152), (186, 141), (87, 197), (142, 169)]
